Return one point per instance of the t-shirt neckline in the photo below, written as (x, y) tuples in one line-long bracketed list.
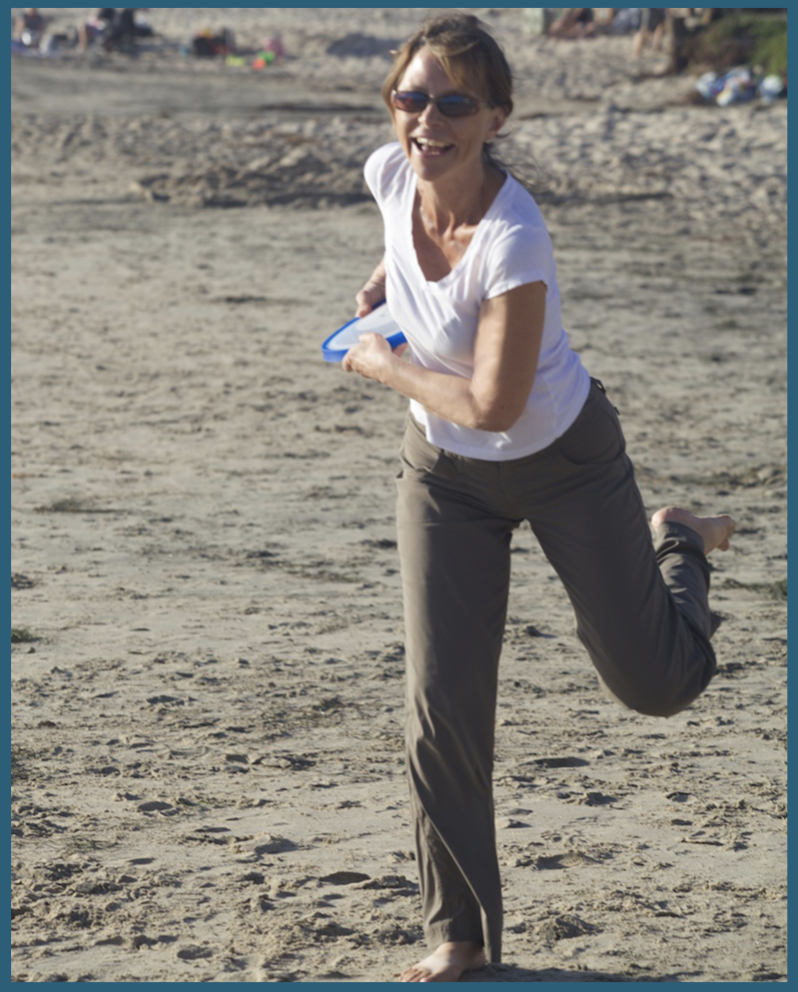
[(434, 283)]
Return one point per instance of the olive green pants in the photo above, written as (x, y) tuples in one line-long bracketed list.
[(641, 611)]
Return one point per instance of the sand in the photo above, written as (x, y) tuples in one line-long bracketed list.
[(207, 767)]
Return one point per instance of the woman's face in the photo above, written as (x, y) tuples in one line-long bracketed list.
[(438, 146)]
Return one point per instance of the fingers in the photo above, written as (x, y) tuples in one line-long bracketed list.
[(367, 355), (368, 297), (363, 305), (348, 363)]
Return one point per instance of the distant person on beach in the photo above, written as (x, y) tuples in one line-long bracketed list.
[(505, 425), (97, 27), (29, 27), (653, 24), (574, 22), (112, 28)]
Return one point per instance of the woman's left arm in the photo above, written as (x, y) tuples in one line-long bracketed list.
[(506, 354)]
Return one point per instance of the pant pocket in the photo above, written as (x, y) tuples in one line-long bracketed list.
[(595, 436), (419, 458)]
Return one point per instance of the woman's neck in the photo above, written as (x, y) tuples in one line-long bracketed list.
[(447, 206)]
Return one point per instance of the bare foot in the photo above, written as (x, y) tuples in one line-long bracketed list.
[(447, 963), (714, 531)]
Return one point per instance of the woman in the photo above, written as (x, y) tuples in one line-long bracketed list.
[(505, 425)]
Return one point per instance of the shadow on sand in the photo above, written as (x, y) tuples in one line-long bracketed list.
[(512, 973)]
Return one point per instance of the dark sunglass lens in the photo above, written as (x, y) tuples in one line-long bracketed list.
[(410, 102), (457, 106), (453, 105)]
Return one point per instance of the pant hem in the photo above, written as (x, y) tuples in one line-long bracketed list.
[(439, 933), (671, 531)]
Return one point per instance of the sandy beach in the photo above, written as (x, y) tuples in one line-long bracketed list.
[(207, 685)]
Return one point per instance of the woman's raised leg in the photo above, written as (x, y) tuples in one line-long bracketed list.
[(642, 609)]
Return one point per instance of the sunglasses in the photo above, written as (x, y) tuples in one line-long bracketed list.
[(451, 105)]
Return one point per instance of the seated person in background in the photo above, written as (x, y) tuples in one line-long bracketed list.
[(604, 18), (29, 27), (114, 28), (97, 27), (574, 22), (122, 33)]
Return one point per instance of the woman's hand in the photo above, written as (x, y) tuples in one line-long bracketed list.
[(372, 293), (368, 297), (370, 357)]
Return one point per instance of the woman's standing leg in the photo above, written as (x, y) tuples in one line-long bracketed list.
[(455, 557)]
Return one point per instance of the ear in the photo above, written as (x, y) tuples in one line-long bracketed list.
[(498, 119)]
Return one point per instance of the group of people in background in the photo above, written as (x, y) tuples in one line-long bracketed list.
[(112, 28), (651, 26)]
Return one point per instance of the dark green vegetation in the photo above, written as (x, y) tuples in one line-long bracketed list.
[(21, 635), (755, 39)]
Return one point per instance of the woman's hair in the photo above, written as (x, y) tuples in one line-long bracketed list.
[(467, 52)]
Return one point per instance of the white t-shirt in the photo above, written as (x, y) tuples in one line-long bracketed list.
[(510, 247)]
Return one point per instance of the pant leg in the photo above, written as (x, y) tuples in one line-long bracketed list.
[(642, 611), (455, 558)]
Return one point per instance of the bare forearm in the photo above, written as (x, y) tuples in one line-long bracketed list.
[(446, 395)]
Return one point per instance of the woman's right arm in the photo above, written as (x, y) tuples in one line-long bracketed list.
[(373, 292), (506, 355)]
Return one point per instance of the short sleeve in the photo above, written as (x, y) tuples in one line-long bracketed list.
[(523, 255), (381, 169)]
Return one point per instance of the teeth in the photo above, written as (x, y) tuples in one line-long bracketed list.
[(429, 143)]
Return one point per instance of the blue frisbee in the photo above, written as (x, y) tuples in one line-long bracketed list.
[(378, 321)]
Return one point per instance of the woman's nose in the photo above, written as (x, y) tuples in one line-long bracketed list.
[(430, 112)]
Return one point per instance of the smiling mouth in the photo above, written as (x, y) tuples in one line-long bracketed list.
[(430, 148)]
